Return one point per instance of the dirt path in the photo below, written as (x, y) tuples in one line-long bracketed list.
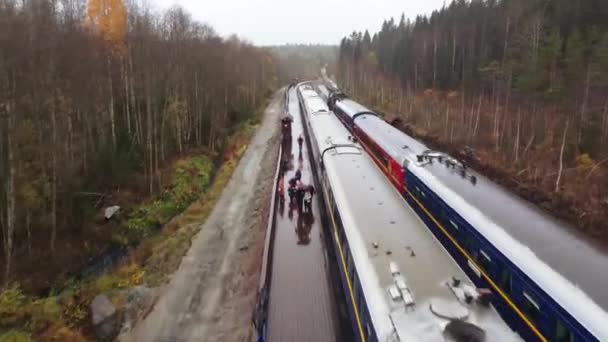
[(212, 294)]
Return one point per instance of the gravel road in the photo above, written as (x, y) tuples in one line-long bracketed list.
[(212, 294)]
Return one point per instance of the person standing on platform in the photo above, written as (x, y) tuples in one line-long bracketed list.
[(292, 190), (300, 142), (300, 192), (309, 191)]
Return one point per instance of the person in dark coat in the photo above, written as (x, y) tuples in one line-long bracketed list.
[(292, 190), (311, 190), (309, 193), (298, 175), (300, 142), (300, 192)]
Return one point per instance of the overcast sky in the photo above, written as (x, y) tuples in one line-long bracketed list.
[(272, 22)]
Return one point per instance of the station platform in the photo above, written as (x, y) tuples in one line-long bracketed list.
[(301, 305)]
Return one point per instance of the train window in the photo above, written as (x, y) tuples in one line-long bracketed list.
[(562, 334), (484, 260), (454, 224), (505, 281), (421, 192), (531, 308)]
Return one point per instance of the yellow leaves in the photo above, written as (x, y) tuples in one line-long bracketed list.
[(584, 162), (109, 18)]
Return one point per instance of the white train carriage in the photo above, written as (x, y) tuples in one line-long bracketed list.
[(399, 282)]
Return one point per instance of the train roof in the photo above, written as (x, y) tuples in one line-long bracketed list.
[(385, 235), (580, 261), (352, 108), (399, 146), (570, 269), (568, 266)]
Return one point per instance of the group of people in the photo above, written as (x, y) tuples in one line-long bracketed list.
[(300, 194)]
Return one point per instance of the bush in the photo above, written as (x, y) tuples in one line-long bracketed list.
[(584, 162), (15, 336), (12, 306), (190, 178), (44, 312), (127, 276), (17, 310)]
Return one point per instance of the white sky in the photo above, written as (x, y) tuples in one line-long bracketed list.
[(273, 22)]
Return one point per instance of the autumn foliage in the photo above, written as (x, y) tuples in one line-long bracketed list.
[(95, 99), (109, 19)]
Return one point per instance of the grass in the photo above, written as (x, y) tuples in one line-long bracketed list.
[(15, 336), (190, 177)]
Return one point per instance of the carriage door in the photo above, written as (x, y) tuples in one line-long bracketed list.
[(396, 174)]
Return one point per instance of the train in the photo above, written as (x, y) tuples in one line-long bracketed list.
[(548, 283), (398, 281)]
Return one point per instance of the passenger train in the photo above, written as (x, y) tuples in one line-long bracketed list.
[(399, 282), (548, 283)]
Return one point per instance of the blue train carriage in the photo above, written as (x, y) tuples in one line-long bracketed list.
[(572, 257), (535, 298), (399, 282)]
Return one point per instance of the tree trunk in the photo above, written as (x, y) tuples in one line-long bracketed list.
[(506, 44), (127, 96), (605, 120), (111, 108), (478, 118), (10, 196), (54, 175), (28, 229), (583, 110), (496, 124), (561, 158), (447, 121), (149, 142), (453, 54), (518, 135), (434, 61)]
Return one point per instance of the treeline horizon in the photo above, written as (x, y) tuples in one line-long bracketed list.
[(525, 82), (303, 61), (94, 93)]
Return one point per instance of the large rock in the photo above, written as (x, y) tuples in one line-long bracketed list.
[(109, 212), (106, 323)]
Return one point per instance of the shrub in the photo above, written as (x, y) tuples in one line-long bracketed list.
[(15, 336), (584, 162), (43, 312), (189, 179), (12, 306)]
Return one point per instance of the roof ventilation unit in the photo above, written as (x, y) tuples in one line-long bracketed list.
[(400, 290)]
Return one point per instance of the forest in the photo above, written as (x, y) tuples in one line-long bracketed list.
[(303, 61), (96, 98), (522, 83)]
